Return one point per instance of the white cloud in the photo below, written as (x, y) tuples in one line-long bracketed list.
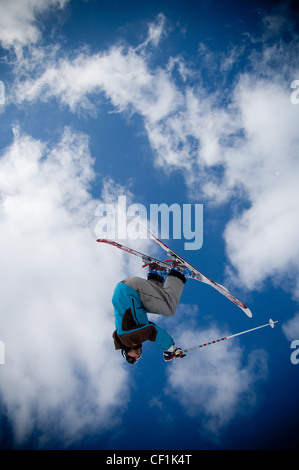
[(213, 384), (245, 150), (291, 328), (156, 30), (262, 240), (123, 76), (61, 375), (18, 21)]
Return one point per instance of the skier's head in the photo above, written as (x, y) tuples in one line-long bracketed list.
[(132, 355)]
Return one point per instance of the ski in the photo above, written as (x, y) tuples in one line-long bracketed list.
[(196, 274), (192, 272), (145, 258)]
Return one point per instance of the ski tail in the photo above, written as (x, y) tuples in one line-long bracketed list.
[(147, 260)]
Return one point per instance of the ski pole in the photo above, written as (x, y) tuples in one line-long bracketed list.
[(271, 323)]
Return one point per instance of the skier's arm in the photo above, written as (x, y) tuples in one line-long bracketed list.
[(149, 332), (163, 338)]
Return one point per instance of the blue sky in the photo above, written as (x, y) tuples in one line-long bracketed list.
[(164, 102)]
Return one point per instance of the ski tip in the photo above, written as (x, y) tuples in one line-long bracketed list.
[(247, 311)]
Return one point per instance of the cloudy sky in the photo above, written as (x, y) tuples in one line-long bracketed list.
[(162, 102)]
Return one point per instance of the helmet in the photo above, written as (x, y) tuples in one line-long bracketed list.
[(129, 359)]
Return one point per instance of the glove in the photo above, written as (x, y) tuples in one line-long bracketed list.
[(172, 353)]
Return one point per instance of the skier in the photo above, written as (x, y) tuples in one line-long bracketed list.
[(133, 298)]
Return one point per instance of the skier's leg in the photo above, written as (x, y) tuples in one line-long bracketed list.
[(173, 288), (156, 298)]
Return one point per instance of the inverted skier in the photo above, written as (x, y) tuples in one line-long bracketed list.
[(133, 298)]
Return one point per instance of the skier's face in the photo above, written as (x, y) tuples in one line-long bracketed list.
[(135, 353)]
